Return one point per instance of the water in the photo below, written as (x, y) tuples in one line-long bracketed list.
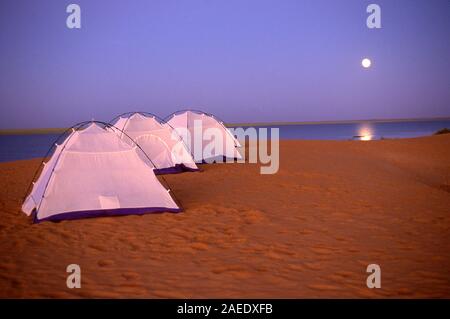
[(16, 147), (361, 131)]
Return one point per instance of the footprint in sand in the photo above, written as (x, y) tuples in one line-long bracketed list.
[(134, 247), (235, 271), (166, 294), (344, 274), (97, 247), (273, 255), (105, 262), (17, 284), (130, 276), (284, 251), (254, 216), (181, 233), (322, 250), (341, 239), (305, 232)]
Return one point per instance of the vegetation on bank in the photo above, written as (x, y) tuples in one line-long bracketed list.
[(442, 131)]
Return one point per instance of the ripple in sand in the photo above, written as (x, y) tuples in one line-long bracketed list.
[(295, 267), (322, 250), (313, 266), (323, 287), (199, 246)]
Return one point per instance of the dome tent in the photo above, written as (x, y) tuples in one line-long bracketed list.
[(93, 172), (158, 140), (194, 121)]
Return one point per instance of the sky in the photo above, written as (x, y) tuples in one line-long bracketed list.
[(242, 60)]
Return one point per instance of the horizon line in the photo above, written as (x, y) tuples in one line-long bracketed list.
[(56, 130)]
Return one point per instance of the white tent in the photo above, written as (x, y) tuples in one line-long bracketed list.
[(158, 140), (205, 136), (95, 173)]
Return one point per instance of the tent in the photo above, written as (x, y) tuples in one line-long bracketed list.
[(93, 172), (205, 136), (158, 140)]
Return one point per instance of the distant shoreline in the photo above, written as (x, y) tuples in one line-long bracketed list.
[(338, 122), (61, 130), (32, 131)]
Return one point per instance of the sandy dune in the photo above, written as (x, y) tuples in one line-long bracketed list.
[(309, 231)]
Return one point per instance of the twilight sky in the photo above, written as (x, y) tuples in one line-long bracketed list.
[(243, 60)]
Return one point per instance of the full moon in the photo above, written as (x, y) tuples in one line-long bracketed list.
[(366, 63)]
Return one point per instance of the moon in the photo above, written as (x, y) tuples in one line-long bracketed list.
[(366, 63)]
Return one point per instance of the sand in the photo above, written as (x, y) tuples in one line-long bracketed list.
[(308, 231)]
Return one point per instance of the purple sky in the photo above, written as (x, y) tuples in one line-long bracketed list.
[(245, 61)]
